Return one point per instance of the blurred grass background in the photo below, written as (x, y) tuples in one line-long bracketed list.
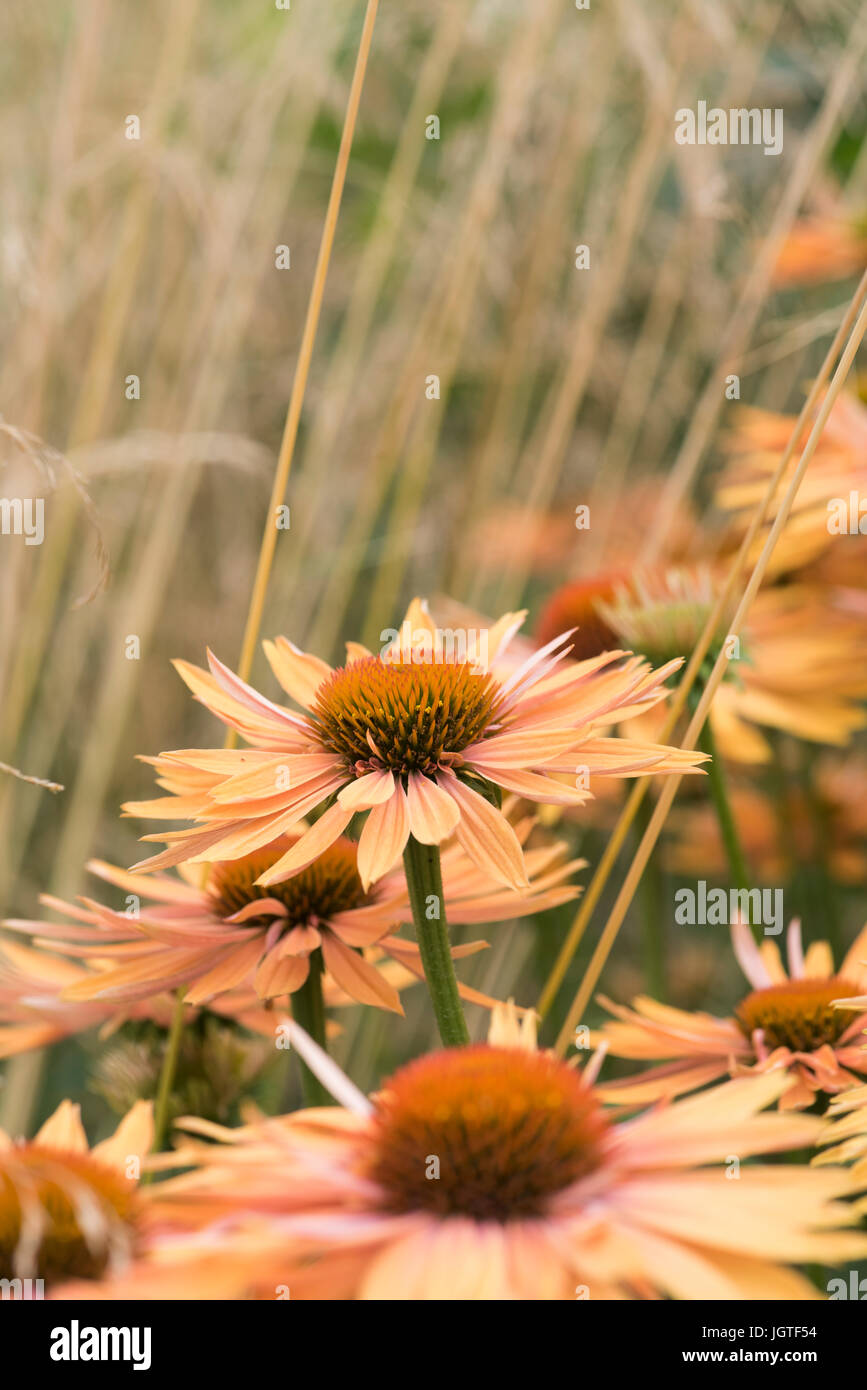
[(454, 257)]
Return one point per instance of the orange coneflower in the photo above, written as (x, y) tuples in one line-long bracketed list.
[(412, 739), (799, 665), (67, 1211), (822, 511), (821, 248), (211, 938), (788, 1024), (492, 1172)]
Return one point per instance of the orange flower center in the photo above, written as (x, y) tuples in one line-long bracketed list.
[(797, 1014), (486, 1132), (406, 716), (331, 884), (574, 605), (70, 1191)]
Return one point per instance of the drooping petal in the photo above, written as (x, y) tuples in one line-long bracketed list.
[(383, 838), (433, 814)]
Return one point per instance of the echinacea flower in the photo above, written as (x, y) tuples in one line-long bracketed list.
[(787, 1025), (211, 937), (821, 248), (68, 1211), (837, 469), (493, 1172), (415, 736), (799, 665)]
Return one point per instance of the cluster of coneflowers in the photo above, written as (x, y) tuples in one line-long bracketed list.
[(395, 795)]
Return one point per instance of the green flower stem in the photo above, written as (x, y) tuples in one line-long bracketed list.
[(425, 882), (308, 1009), (719, 791), (167, 1075), (653, 927), (822, 875)]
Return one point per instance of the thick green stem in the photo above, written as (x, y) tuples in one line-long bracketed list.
[(308, 1009), (169, 1067), (425, 883)]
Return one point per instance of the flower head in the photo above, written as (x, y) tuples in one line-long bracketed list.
[(493, 1172), (787, 1024), (421, 737), (214, 937), (67, 1211)]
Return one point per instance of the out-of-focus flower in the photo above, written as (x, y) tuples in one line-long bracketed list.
[(846, 1133), (819, 249), (33, 1012), (493, 1172), (547, 543), (836, 825), (67, 1211), (837, 469), (212, 938), (788, 1025), (413, 736), (798, 665), (217, 1068)]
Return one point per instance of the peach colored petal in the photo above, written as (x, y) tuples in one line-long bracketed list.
[(281, 973), (321, 835), (433, 814), (383, 838), (299, 673), (367, 791), (485, 834), (360, 980), (132, 1138), (231, 971), (64, 1130)]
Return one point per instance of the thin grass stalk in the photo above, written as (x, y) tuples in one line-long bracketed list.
[(549, 444)]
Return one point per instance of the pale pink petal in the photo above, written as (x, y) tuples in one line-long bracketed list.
[(749, 956)]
